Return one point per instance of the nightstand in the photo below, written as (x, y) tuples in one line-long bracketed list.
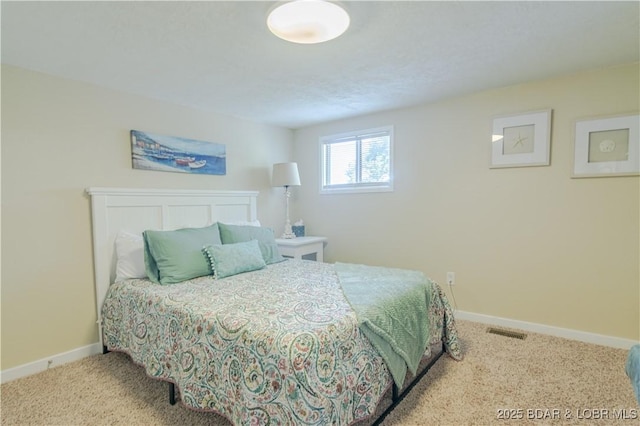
[(302, 246)]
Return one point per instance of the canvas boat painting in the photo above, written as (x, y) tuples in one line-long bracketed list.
[(173, 154)]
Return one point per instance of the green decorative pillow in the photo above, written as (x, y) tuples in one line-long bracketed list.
[(232, 259), (175, 256), (230, 234)]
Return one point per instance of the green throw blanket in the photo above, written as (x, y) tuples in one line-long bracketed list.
[(384, 300)]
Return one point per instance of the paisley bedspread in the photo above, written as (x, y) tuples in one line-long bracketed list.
[(280, 345)]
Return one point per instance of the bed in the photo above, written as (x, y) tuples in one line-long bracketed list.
[(283, 342)]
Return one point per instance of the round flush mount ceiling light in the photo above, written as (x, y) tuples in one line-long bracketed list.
[(308, 21)]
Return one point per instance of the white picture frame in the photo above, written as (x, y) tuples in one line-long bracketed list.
[(521, 140), (608, 146)]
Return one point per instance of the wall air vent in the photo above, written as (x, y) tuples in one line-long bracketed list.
[(506, 333)]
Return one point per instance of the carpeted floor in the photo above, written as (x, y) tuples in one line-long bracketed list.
[(540, 380)]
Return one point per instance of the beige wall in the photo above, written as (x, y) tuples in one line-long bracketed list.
[(528, 244), (60, 137)]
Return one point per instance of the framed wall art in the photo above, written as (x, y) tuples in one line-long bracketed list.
[(607, 147), (173, 154), (521, 140)]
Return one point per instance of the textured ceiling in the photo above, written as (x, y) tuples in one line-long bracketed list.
[(219, 56)]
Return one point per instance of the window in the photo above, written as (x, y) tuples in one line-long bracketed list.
[(357, 161)]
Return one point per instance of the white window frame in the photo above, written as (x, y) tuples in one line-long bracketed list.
[(359, 186)]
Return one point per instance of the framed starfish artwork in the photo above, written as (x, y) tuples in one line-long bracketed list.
[(521, 140)]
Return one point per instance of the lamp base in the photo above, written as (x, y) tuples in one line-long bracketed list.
[(288, 236), (288, 232)]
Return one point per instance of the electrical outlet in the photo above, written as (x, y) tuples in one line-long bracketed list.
[(451, 278)]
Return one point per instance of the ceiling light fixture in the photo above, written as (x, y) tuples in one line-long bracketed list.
[(308, 21)]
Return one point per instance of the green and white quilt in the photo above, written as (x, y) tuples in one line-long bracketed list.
[(280, 345)]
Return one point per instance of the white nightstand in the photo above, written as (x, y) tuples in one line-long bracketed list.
[(302, 246)]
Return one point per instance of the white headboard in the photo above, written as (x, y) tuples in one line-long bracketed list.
[(136, 210)]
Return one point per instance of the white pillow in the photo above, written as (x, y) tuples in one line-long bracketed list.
[(130, 256)]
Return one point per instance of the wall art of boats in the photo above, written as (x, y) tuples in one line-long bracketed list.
[(174, 154)]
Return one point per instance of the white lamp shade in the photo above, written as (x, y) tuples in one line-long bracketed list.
[(285, 174)]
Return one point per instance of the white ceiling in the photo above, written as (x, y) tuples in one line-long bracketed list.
[(219, 56)]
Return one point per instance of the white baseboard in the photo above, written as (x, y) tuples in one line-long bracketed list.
[(582, 336), (49, 362)]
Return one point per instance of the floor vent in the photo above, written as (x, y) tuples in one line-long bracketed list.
[(507, 333)]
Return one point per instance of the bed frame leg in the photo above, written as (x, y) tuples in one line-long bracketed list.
[(398, 396), (105, 350), (172, 394)]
